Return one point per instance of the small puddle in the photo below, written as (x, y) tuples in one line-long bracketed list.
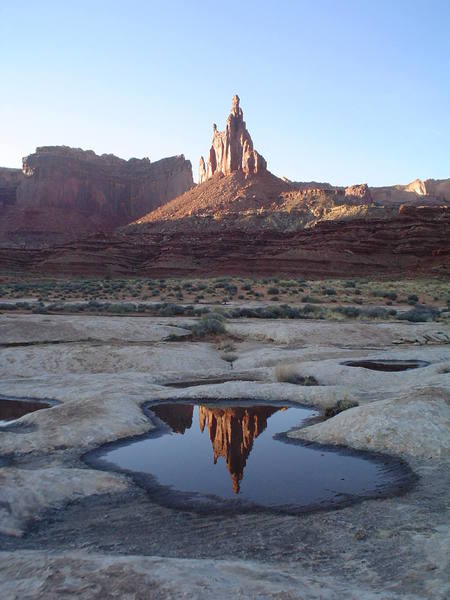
[(206, 456), (387, 365), (205, 381), (10, 410)]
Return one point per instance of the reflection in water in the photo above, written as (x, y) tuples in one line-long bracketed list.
[(177, 416), (14, 409), (193, 463), (231, 430)]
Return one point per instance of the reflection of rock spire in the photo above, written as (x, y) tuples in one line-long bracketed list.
[(232, 431), (177, 416)]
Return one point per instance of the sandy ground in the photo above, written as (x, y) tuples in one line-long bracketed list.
[(68, 529)]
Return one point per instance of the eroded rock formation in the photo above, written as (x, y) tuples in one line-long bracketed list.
[(232, 149), (66, 193)]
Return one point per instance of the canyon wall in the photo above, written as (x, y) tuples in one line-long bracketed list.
[(411, 242), (66, 193)]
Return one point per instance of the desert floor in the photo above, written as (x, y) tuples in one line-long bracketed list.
[(68, 529)]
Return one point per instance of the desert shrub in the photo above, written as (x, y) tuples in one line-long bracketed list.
[(348, 311), (273, 291), (329, 291), (378, 312), (339, 407), (413, 299), (285, 311), (8, 306), (384, 294), (311, 309), (420, 314), (349, 284), (212, 324), (290, 374), (171, 310)]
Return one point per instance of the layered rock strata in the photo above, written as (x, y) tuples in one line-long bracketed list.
[(411, 242), (66, 193)]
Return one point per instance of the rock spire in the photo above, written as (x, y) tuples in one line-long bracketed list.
[(231, 150)]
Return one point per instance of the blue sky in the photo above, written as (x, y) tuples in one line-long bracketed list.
[(344, 91)]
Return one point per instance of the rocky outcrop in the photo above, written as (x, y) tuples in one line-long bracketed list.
[(67, 193), (361, 192), (428, 192), (262, 201), (232, 149)]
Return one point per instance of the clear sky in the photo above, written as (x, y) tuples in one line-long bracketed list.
[(344, 91)]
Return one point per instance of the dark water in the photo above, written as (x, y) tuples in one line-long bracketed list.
[(209, 381), (14, 409), (205, 452), (387, 365)]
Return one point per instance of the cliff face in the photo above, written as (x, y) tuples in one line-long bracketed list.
[(232, 149), (408, 242), (10, 179), (65, 193)]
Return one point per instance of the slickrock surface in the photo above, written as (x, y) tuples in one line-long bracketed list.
[(68, 529), (66, 193), (91, 576)]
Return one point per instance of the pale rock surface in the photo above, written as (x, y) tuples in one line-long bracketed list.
[(34, 575), (27, 492), (23, 329), (405, 426), (103, 383)]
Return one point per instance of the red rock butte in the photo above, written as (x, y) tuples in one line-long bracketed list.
[(71, 212)]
